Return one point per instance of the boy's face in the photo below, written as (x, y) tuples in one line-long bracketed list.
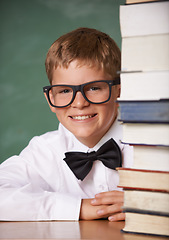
[(94, 119)]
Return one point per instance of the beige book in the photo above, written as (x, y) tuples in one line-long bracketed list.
[(144, 19), (145, 53), (152, 201), (130, 178), (146, 224)]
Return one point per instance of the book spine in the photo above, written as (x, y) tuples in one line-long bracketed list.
[(144, 111)]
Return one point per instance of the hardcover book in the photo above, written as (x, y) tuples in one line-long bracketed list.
[(144, 86), (146, 133), (144, 111), (147, 223), (145, 53), (150, 201), (151, 157), (144, 19), (131, 178)]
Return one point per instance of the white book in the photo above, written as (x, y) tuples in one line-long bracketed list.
[(144, 19), (145, 53), (151, 157), (146, 133), (144, 85)]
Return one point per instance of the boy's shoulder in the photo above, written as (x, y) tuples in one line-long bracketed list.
[(45, 137), (49, 146), (51, 139)]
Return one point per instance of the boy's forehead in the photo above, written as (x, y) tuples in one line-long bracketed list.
[(77, 73), (76, 65)]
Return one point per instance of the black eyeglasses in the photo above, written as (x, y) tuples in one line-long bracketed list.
[(95, 92)]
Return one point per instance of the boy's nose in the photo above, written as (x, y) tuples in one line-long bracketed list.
[(79, 101)]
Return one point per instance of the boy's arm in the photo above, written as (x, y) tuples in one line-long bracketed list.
[(104, 205), (25, 195)]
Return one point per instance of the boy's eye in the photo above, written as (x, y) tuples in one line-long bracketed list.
[(61, 90), (65, 91), (94, 88)]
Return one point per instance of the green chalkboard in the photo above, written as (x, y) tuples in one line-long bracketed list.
[(27, 29)]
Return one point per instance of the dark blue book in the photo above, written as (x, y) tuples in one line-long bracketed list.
[(144, 111)]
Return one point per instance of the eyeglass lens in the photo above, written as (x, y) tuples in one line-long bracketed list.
[(96, 92)]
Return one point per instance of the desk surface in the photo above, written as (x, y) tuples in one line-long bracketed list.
[(98, 229)]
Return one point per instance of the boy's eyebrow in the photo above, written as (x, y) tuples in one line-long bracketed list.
[(115, 80)]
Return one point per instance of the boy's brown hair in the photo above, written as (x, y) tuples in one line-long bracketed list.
[(89, 46)]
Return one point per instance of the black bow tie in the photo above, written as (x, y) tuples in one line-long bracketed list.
[(81, 163)]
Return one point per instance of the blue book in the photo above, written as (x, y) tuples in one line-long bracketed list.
[(144, 111)]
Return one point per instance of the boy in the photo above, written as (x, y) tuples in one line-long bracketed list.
[(47, 181)]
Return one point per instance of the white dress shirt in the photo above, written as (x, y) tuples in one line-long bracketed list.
[(38, 184)]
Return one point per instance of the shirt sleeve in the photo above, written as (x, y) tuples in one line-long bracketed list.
[(27, 195)]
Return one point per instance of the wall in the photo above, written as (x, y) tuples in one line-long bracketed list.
[(28, 28)]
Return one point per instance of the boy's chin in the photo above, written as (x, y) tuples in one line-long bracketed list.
[(89, 139)]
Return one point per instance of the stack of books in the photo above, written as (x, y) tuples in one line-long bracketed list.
[(144, 108)]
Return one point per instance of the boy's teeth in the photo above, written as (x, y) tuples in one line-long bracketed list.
[(81, 117)]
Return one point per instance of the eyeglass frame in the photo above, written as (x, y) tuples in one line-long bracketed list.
[(79, 88)]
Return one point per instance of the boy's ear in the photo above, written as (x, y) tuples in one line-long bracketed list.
[(51, 108)]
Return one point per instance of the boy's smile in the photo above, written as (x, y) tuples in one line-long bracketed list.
[(83, 117), (88, 122)]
